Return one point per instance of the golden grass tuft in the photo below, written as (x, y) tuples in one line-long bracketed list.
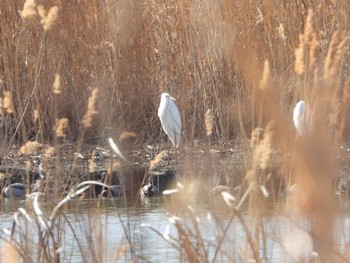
[(29, 9), (30, 148), (60, 127), (91, 110), (56, 88), (209, 122), (48, 19), (8, 102)]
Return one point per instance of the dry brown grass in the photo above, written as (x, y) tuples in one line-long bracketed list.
[(195, 50), (244, 60)]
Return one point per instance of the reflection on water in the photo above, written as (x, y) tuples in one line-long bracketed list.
[(92, 229)]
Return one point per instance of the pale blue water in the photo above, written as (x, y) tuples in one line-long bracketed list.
[(90, 226)]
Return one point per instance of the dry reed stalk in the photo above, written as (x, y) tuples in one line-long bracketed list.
[(91, 110), (334, 56), (60, 127), (30, 147)]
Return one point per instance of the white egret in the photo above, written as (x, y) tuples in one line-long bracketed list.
[(169, 116), (302, 118), (15, 190)]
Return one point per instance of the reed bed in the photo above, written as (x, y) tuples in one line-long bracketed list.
[(84, 71)]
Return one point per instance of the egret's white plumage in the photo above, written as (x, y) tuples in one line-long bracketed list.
[(169, 116), (302, 118), (15, 190)]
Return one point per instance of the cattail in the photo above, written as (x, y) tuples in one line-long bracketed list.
[(333, 57), (29, 9), (48, 19), (92, 164), (208, 123), (266, 80), (156, 160), (7, 102), (56, 88), (30, 147), (91, 110), (60, 127), (299, 53)]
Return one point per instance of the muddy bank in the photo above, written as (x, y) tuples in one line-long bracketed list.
[(207, 166)]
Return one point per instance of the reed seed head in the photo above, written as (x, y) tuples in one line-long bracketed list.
[(266, 79), (91, 110), (29, 9), (209, 120), (48, 19), (30, 147), (8, 102), (333, 57), (60, 127), (156, 160), (56, 88), (92, 164)]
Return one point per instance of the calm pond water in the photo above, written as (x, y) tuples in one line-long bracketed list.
[(90, 226)]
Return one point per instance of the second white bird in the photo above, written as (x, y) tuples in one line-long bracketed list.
[(169, 116)]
